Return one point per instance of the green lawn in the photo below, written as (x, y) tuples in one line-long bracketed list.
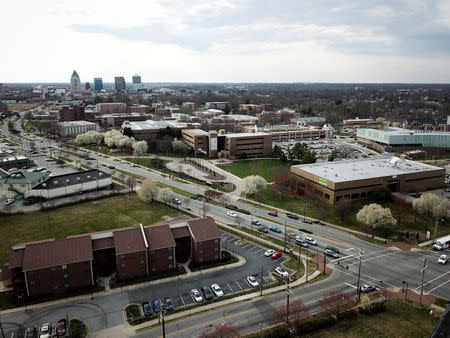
[(109, 213), (400, 320), (269, 169), (410, 222)]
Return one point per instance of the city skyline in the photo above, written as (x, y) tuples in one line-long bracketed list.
[(231, 41)]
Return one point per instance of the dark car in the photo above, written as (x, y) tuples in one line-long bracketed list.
[(275, 229), (61, 327), (293, 216), (147, 308), (169, 304), (332, 248), (273, 213), (31, 332), (308, 221), (156, 306), (207, 292), (264, 229), (331, 253), (368, 288)]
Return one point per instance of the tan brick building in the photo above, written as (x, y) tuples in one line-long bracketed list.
[(250, 144), (356, 179)]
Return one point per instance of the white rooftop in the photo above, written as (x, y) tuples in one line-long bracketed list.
[(150, 124), (195, 131), (246, 134), (351, 170), (403, 131)]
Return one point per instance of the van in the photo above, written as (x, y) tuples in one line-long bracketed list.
[(332, 248)]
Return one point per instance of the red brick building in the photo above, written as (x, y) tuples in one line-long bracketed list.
[(131, 253), (205, 240), (71, 113), (141, 109)]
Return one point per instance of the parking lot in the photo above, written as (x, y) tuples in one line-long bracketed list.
[(230, 280)]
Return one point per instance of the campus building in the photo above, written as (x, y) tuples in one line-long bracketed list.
[(143, 129), (71, 113), (356, 179), (74, 128), (20, 183), (110, 108), (18, 161), (55, 266), (393, 139)]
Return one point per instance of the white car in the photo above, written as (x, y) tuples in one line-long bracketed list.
[(8, 201), (443, 259), (281, 271), (310, 240), (198, 298), (252, 281), (217, 290), (231, 213), (269, 253), (45, 331)]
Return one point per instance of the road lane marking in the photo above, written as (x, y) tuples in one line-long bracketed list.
[(350, 285), (440, 285), (435, 279)]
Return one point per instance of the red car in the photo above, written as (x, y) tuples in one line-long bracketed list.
[(273, 213), (276, 255)]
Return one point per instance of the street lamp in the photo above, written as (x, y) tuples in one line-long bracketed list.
[(422, 272), (358, 290)]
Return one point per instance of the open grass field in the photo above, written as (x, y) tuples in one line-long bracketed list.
[(270, 169), (400, 320), (409, 220), (110, 213), (22, 106)]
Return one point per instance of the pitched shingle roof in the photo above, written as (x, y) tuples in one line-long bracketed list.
[(129, 240), (180, 232), (54, 253), (204, 229), (159, 237)]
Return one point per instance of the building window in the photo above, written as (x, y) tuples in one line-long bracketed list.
[(200, 251), (153, 252), (66, 275), (170, 257), (200, 243), (170, 266), (55, 287), (53, 268), (141, 253), (216, 240), (32, 282), (86, 263), (153, 269), (141, 261), (142, 270), (122, 265), (216, 257), (30, 273), (122, 256), (64, 266), (66, 285), (216, 249), (201, 260), (327, 196), (170, 249)]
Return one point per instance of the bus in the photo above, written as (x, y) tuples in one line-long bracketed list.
[(442, 243)]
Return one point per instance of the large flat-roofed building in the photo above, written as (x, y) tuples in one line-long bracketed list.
[(20, 183), (113, 107), (196, 139), (74, 128), (143, 129), (355, 179), (216, 105), (294, 132), (248, 145), (397, 139)]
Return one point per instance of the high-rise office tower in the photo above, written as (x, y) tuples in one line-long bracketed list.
[(75, 83), (119, 83), (87, 86), (98, 83), (137, 84)]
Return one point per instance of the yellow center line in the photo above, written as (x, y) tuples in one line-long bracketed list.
[(241, 313)]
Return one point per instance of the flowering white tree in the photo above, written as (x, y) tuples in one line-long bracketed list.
[(149, 190), (90, 137), (140, 148), (252, 184), (374, 215), (165, 195), (116, 138), (432, 207)]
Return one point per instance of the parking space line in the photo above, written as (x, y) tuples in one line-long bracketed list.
[(259, 250), (182, 300), (350, 285), (265, 278), (238, 284), (230, 287), (245, 245)]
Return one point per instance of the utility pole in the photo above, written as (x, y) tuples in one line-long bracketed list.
[(422, 272), (435, 228), (306, 266), (324, 262), (285, 235), (261, 284), (287, 299), (358, 290)]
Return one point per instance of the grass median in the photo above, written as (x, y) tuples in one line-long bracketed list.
[(270, 169)]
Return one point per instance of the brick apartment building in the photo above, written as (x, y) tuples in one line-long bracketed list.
[(356, 179), (271, 116), (141, 109), (71, 113), (109, 108), (55, 266)]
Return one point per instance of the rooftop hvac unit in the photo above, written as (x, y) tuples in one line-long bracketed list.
[(55, 182), (88, 176), (44, 185), (67, 180), (100, 174), (78, 178)]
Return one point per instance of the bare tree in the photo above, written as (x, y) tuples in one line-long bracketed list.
[(336, 303), (7, 209), (131, 182), (298, 311), (342, 208)]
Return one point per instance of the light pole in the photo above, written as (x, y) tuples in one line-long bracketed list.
[(436, 227), (261, 284), (422, 272), (358, 289), (1, 327), (285, 235), (288, 291), (306, 266), (324, 262)]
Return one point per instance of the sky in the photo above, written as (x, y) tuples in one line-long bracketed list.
[(226, 40)]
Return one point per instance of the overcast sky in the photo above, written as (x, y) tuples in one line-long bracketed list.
[(226, 40)]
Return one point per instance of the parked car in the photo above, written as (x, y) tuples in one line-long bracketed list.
[(176, 201), (139, 181), (292, 234), (443, 259), (368, 288), (308, 221), (207, 292), (196, 295), (301, 242), (217, 290), (276, 255), (231, 214), (310, 240), (293, 216), (273, 213), (332, 248), (331, 253), (45, 331), (281, 271), (252, 281), (269, 252), (168, 304), (156, 305), (31, 332), (256, 222), (275, 229), (147, 308), (61, 327)]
